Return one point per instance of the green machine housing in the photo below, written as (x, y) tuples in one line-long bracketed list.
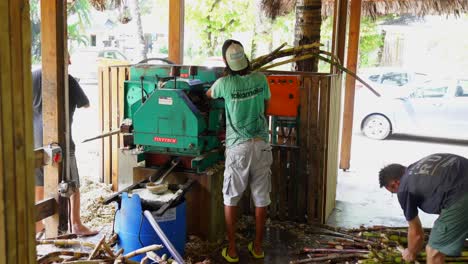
[(171, 115)]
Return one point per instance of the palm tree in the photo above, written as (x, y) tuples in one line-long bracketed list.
[(308, 23), (142, 47)]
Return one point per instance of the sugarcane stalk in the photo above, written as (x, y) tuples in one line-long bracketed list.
[(65, 236), (113, 239), (330, 257), (53, 259), (314, 55), (62, 253), (142, 251), (260, 60), (332, 250), (108, 250), (277, 53), (94, 261), (96, 248), (346, 244), (65, 242)]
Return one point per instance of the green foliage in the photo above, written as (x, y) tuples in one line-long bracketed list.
[(80, 9), (146, 6), (35, 31), (369, 42), (76, 30), (214, 21)]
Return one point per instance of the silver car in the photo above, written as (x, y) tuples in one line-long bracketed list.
[(435, 109)]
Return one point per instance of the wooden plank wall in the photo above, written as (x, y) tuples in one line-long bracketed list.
[(111, 112), (17, 243), (322, 135)]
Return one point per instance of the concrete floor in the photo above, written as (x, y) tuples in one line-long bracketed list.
[(360, 201)]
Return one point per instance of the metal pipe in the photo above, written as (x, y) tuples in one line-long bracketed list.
[(163, 238)]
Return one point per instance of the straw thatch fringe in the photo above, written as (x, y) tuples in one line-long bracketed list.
[(275, 8), (375, 8)]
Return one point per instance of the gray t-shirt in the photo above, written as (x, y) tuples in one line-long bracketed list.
[(432, 184), (77, 99)]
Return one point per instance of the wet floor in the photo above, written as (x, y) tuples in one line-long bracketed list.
[(282, 243)]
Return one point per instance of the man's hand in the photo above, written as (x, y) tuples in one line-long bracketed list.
[(408, 255), (209, 93)]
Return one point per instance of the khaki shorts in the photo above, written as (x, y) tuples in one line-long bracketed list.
[(248, 163)]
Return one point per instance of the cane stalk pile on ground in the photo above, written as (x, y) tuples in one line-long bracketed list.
[(378, 244), (80, 252)]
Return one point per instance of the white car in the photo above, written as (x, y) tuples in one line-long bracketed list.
[(391, 81), (436, 109)]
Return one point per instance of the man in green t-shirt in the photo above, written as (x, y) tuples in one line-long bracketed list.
[(248, 153)]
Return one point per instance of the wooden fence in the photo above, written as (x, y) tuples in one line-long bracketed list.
[(111, 113), (303, 176)]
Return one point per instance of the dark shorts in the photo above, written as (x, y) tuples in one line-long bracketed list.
[(39, 173), (451, 228)]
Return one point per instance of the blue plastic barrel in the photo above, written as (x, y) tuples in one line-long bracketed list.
[(130, 217)]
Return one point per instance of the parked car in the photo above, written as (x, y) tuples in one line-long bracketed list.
[(391, 81), (111, 57), (436, 108)]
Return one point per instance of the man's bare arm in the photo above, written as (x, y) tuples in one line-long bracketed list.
[(415, 239)]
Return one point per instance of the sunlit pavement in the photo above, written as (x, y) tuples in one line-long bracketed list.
[(360, 201)]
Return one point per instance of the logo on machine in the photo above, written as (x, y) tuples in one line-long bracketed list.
[(165, 140)]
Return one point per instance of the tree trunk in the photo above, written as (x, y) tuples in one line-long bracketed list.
[(308, 22), (142, 48)]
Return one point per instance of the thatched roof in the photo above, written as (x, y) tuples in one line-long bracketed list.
[(374, 8)]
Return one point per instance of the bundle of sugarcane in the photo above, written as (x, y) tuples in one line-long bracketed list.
[(300, 53), (378, 244), (101, 252)]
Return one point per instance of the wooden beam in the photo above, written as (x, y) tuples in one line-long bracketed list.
[(46, 208), (17, 243), (54, 73), (353, 52), (340, 20), (176, 31)]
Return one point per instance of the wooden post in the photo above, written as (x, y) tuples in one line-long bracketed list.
[(339, 31), (54, 72), (17, 244), (353, 52), (176, 31)]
